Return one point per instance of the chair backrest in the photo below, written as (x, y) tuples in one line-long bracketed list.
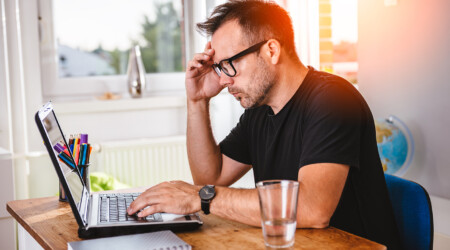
[(412, 211)]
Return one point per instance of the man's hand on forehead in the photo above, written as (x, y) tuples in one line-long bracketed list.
[(201, 81), (209, 51)]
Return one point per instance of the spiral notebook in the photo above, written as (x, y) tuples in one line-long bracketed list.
[(146, 241)]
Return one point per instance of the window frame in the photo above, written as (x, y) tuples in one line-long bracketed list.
[(56, 87)]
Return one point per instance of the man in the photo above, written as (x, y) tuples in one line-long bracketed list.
[(299, 124)]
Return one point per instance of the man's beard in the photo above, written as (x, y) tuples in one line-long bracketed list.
[(257, 90)]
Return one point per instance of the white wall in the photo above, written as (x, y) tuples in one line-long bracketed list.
[(5, 139), (7, 231), (403, 59), (403, 53)]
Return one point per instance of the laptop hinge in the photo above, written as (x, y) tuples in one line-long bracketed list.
[(84, 206), (88, 204)]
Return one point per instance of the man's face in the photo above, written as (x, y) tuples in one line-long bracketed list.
[(254, 77)]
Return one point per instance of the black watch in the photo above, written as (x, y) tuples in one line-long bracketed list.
[(206, 194)]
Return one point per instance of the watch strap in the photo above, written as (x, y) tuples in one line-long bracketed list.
[(205, 206)]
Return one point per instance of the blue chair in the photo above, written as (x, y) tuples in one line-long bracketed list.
[(412, 210)]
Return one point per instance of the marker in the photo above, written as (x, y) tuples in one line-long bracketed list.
[(89, 154), (83, 138), (76, 150), (66, 155), (81, 156), (58, 149), (66, 160), (85, 147)]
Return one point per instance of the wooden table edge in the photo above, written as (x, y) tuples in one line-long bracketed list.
[(41, 241)]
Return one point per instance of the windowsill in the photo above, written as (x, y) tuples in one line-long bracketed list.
[(77, 105)]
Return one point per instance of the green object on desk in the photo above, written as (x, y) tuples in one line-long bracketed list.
[(102, 182)]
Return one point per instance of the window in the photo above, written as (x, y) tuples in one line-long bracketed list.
[(92, 41), (338, 38), (326, 34), (85, 45)]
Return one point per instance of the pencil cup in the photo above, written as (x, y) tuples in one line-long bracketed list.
[(62, 194), (278, 203)]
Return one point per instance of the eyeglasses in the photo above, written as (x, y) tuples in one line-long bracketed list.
[(226, 65)]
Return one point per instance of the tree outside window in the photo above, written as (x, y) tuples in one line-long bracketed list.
[(160, 39)]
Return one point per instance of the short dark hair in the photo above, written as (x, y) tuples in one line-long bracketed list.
[(260, 20)]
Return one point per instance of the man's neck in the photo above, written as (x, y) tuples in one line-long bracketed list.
[(291, 76)]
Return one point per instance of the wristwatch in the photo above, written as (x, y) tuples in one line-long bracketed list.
[(206, 194)]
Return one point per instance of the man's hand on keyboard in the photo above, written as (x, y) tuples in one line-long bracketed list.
[(175, 197)]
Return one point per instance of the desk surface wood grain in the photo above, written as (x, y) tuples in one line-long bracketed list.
[(52, 224)]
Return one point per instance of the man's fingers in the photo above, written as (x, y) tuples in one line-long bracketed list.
[(151, 196), (141, 202), (136, 205), (201, 57), (193, 64), (208, 46), (150, 210), (199, 60), (195, 68), (208, 49), (171, 197)]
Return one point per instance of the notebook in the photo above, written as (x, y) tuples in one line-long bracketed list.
[(146, 241), (100, 215)]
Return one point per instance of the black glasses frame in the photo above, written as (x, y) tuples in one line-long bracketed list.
[(218, 66)]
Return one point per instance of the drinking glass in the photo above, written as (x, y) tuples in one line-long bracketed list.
[(278, 203)]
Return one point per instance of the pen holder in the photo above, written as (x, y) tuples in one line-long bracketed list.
[(84, 172), (62, 194)]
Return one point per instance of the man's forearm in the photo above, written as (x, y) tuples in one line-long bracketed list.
[(241, 205), (204, 154)]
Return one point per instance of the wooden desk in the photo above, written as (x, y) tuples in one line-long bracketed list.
[(52, 224)]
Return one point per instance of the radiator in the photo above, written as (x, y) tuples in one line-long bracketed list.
[(143, 162)]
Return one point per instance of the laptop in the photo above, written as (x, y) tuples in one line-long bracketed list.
[(100, 215)]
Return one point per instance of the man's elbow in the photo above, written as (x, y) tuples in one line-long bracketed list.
[(316, 220), (320, 224)]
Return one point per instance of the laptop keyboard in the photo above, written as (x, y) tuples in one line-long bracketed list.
[(113, 208)]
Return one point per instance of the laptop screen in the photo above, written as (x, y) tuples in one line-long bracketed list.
[(56, 136)]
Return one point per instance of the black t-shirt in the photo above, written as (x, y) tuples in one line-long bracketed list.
[(326, 121)]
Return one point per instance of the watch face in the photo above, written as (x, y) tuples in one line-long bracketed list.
[(207, 192)]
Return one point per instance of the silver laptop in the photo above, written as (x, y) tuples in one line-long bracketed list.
[(100, 215)]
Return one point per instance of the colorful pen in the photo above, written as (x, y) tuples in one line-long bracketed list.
[(76, 150), (66, 160)]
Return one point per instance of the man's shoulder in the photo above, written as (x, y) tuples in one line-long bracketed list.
[(325, 87), (325, 93), (320, 81)]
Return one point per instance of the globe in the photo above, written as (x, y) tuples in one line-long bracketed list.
[(395, 145)]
